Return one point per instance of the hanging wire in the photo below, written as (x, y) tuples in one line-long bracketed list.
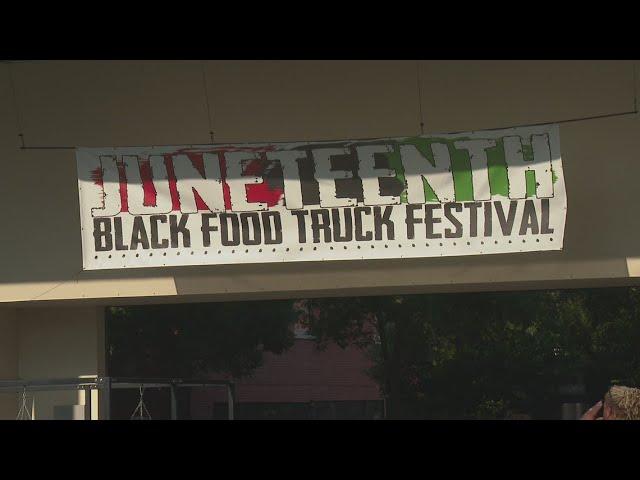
[(24, 413), (376, 139), (419, 85), (20, 127), (556, 122), (16, 109), (206, 97), (419, 92)]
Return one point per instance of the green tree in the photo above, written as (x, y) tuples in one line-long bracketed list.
[(190, 340), (486, 355), (462, 355)]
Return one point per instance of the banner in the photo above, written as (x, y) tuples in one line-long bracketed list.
[(427, 196)]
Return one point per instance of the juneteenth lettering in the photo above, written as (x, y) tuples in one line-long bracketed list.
[(351, 193)]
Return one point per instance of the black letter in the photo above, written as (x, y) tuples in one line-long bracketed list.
[(357, 212), (224, 230), (380, 219), (317, 225), (348, 225), (257, 233), (269, 239), (102, 229), (473, 214), (529, 218), (180, 227), (302, 230), (488, 231), (411, 220), (506, 224), (207, 228), (447, 213), (429, 220), (139, 234), (545, 217), (117, 225), (154, 231)]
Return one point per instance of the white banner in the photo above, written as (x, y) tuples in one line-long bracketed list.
[(476, 193)]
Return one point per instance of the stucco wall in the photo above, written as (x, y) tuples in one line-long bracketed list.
[(60, 343), (50, 343), (8, 360), (144, 103)]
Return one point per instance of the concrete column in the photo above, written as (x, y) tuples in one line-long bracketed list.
[(61, 342), (8, 360)]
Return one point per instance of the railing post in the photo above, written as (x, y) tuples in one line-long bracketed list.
[(87, 402), (104, 398), (231, 391), (174, 402)]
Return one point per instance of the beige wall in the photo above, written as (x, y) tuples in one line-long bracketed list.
[(8, 359), (50, 343), (144, 103)]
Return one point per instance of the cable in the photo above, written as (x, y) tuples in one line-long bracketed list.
[(15, 106), (556, 122), (419, 97), (206, 97), (419, 92)]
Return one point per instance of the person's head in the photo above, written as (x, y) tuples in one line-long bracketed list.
[(621, 403)]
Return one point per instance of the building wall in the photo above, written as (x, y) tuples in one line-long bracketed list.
[(50, 343), (305, 374), (123, 103), (8, 360), (302, 375)]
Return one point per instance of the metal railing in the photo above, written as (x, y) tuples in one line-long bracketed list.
[(106, 384)]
